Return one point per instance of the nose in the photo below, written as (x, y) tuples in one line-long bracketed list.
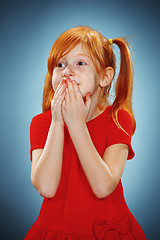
[(67, 72)]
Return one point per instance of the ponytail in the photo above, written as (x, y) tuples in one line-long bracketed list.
[(124, 83)]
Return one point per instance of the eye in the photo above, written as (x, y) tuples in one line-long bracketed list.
[(81, 63), (60, 65)]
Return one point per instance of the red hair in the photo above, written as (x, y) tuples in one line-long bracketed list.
[(99, 49)]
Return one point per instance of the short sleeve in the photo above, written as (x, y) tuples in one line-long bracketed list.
[(118, 135), (38, 134)]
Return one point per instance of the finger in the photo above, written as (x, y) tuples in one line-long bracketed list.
[(88, 101), (59, 85), (60, 88), (71, 91), (77, 92), (64, 102), (57, 95), (67, 98), (61, 99), (56, 98)]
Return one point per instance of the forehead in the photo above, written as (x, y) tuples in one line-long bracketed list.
[(77, 50)]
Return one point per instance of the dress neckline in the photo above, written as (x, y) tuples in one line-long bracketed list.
[(97, 117)]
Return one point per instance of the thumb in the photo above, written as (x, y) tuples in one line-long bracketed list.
[(88, 101)]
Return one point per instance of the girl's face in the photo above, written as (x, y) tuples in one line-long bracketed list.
[(77, 65)]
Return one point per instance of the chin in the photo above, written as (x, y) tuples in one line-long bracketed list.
[(83, 94)]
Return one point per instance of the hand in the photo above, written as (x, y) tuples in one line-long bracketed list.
[(56, 104), (74, 110)]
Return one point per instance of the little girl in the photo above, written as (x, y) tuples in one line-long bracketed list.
[(80, 143)]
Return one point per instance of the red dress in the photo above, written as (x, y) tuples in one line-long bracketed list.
[(75, 213)]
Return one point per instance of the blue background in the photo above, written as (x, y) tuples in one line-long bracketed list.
[(28, 31)]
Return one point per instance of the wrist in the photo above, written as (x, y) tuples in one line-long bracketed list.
[(57, 124), (77, 127)]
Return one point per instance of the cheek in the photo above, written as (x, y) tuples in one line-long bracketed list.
[(55, 81), (89, 84), (91, 81)]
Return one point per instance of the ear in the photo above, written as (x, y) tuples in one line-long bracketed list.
[(107, 77)]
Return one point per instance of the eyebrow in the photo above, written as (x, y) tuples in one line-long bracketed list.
[(79, 54)]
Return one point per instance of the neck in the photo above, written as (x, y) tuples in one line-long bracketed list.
[(94, 110)]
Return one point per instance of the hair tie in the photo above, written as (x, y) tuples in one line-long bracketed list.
[(110, 41)]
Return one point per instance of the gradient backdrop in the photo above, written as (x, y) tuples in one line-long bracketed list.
[(28, 31)]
